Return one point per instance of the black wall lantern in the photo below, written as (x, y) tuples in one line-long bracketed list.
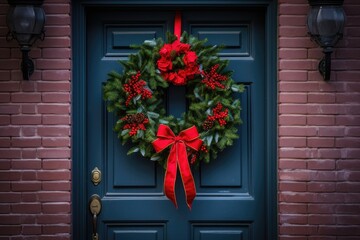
[(325, 23), (25, 20)]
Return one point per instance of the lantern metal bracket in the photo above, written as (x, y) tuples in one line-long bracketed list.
[(27, 65), (325, 64)]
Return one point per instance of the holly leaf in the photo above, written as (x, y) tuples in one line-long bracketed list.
[(133, 150), (163, 121), (140, 134), (217, 137), (124, 132), (209, 139), (151, 43), (142, 150), (155, 157), (238, 88), (153, 115)]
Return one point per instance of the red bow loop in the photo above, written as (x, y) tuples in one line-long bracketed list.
[(165, 138), (191, 138), (178, 157)]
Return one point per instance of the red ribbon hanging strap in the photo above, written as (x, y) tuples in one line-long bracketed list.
[(177, 25), (178, 157)]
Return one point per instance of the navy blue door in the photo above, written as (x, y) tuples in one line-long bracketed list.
[(230, 202)]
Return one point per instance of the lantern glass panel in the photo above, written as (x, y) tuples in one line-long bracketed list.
[(325, 24), (311, 21), (24, 21), (330, 20), (40, 20)]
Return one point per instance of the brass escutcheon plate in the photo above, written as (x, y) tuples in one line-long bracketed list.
[(95, 204)]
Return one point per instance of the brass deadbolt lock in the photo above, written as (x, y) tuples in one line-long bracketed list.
[(96, 176)]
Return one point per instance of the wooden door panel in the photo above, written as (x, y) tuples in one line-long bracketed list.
[(230, 200)]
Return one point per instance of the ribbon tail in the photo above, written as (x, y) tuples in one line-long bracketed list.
[(186, 175), (170, 175)]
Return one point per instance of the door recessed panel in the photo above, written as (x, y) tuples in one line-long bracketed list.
[(234, 38), (128, 174), (137, 231), (120, 37), (231, 172), (221, 231)]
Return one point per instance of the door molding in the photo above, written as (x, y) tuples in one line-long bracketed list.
[(80, 177)]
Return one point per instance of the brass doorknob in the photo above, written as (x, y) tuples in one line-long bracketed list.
[(95, 208)]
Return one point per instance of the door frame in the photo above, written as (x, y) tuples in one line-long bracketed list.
[(80, 177)]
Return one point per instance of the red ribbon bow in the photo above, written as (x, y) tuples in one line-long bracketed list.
[(178, 156)]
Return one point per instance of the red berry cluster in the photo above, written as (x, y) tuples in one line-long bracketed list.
[(218, 115), (203, 148), (135, 87), (135, 122), (193, 159), (212, 79)]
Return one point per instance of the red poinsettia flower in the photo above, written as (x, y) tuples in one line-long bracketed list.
[(180, 47), (192, 71), (179, 78), (165, 51), (190, 58), (175, 74), (164, 64)]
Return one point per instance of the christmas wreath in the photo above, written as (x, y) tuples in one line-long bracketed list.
[(137, 97)]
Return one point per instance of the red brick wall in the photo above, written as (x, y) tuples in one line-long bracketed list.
[(319, 130), (35, 177)]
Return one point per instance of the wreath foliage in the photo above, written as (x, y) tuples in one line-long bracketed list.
[(137, 96)]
